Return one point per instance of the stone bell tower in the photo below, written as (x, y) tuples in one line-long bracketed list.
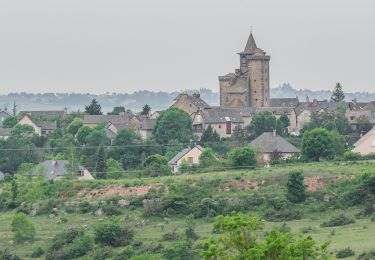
[(249, 85)]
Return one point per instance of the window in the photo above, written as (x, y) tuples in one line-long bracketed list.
[(373, 143), (229, 127), (352, 117), (190, 105), (190, 159)]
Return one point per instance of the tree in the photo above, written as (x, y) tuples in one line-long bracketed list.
[(207, 158), (241, 238), (238, 135), (101, 166), (23, 228), (146, 110), (117, 110), (126, 148), (10, 122), (243, 156), (296, 187), (112, 234), (74, 126), (114, 170), (173, 123), (156, 165), (265, 122), (94, 108), (338, 94), (83, 133), (210, 135), (318, 143)]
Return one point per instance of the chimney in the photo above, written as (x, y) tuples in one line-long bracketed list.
[(196, 95)]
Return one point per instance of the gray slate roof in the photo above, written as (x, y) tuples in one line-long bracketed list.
[(60, 113), (215, 115), (45, 125), (5, 132), (268, 142), (251, 46), (181, 154), (317, 106), (120, 121), (194, 99), (54, 168), (147, 124), (284, 102)]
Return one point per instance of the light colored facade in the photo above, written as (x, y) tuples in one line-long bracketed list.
[(190, 103), (189, 155), (249, 85), (40, 128), (366, 145)]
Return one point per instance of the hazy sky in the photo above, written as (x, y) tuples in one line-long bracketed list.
[(123, 46)]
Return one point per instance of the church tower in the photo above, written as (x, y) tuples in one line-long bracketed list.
[(249, 85)]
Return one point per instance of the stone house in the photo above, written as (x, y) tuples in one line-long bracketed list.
[(190, 155), (268, 143), (222, 120), (56, 169), (366, 144), (113, 123), (190, 103), (42, 128)]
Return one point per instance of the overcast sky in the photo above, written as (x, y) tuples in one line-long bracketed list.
[(123, 46)]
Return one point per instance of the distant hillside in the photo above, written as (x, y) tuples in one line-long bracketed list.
[(157, 100)]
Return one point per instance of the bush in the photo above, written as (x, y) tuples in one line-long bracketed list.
[(296, 187), (111, 210), (344, 253), (85, 207), (340, 220), (69, 244), (207, 158), (112, 234), (171, 236), (37, 252), (5, 254), (244, 156), (23, 228)]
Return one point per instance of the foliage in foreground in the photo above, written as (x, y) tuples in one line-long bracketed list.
[(241, 238)]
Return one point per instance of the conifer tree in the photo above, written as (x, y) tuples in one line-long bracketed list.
[(101, 166), (94, 108), (146, 110), (338, 94)]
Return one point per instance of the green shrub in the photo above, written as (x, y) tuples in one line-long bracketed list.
[(111, 210), (69, 244), (126, 253), (367, 255), (85, 207), (5, 254), (344, 253), (171, 236), (23, 228), (37, 252), (112, 234), (339, 220), (296, 187), (243, 156)]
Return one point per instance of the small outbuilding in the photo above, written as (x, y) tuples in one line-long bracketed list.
[(56, 169), (270, 144), (189, 155), (366, 144)]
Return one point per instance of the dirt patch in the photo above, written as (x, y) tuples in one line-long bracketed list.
[(119, 191), (239, 185), (315, 183)]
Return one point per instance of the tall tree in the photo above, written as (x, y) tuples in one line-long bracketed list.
[(318, 143), (10, 122), (101, 166), (146, 110), (173, 123), (265, 122), (94, 108), (338, 94)]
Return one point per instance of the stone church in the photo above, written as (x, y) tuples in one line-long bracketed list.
[(249, 86)]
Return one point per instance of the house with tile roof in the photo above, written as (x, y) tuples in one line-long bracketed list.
[(189, 155), (190, 103), (42, 128), (269, 143)]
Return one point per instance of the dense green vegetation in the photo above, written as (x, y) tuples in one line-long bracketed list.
[(175, 218)]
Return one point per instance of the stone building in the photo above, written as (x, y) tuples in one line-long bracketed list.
[(249, 85), (190, 103)]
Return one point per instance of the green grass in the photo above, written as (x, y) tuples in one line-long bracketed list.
[(358, 235)]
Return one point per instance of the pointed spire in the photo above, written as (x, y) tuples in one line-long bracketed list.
[(251, 46)]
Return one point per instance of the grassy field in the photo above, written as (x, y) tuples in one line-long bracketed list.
[(359, 236)]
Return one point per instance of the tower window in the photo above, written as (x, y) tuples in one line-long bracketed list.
[(255, 91)]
